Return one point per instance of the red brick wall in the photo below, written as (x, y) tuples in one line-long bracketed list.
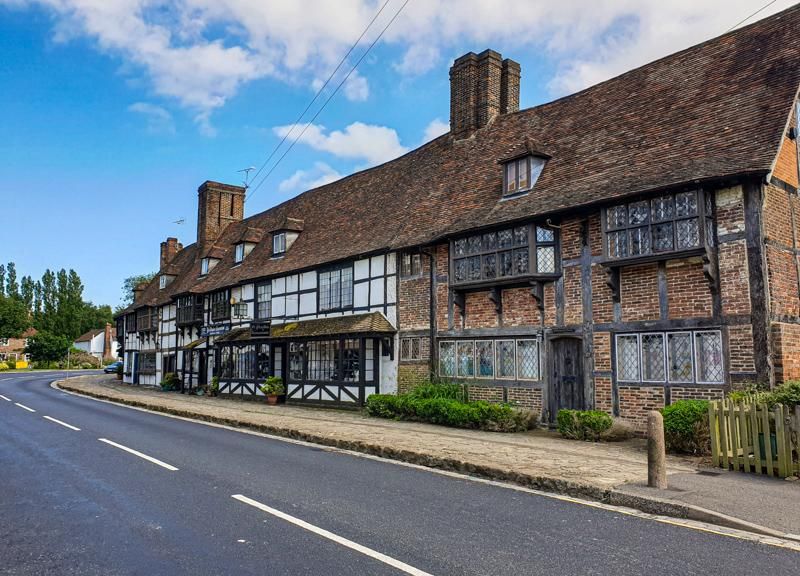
[(571, 239), (487, 393), (786, 351), (636, 401), (602, 299), (639, 292), (528, 398), (786, 166), (481, 312), (549, 304), (573, 299), (411, 375), (734, 278), (695, 393), (688, 293), (602, 350), (519, 308), (413, 299), (602, 394), (740, 345)]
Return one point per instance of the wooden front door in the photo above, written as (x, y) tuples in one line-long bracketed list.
[(566, 375), (202, 369)]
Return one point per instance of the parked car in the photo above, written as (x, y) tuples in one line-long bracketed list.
[(112, 368)]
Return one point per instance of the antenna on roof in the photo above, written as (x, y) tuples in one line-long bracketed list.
[(247, 175)]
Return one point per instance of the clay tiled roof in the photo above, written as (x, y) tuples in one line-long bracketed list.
[(372, 323), (711, 112), (235, 335), (87, 336)]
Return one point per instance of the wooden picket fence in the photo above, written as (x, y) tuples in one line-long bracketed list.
[(748, 436)]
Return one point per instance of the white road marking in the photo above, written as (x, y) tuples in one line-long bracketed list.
[(678, 522), (24, 407), (139, 454), (5, 398), (64, 424), (402, 566)]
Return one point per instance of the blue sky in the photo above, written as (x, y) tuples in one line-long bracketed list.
[(113, 112)]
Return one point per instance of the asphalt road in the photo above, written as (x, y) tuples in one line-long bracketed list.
[(219, 501)]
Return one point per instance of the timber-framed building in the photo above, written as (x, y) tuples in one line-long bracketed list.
[(619, 249)]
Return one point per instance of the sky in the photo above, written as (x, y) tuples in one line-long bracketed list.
[(113, 112)]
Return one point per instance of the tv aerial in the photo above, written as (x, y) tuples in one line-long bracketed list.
[(247, 171)]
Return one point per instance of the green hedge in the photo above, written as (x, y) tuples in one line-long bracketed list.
[(686, 427), (428, 406), (583, 424)]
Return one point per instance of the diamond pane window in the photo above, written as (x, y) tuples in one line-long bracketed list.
[(685, 204), (460, 247), (490, 241), (506, 264), (679, 357), (490, 266), (474, 267), (708, 346), (616, 217), (662, 208), (527, 359), (466, 359), (638, 213), (617, 244), (545, 235), (447, 359), (521, 262), (663, 238), (653, 358), (521, 236), (485, 354), (505, 358), (640, 241), (505, 239), (710, 231), (546, 259), (474, 244), (688, 234), (628, 358), (460, 269)]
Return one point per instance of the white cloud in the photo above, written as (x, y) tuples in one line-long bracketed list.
[(159, 120), (301, 180), (436, 128), (200, 52), (375, 144)]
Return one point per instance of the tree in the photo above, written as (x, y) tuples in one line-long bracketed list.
[(132, 282), (47, 347), (13, 317), (26, 290), (2, 280), (12, 288)]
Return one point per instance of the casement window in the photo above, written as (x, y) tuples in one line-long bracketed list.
[(203, 266), (147, 363), (410, 265), (130, 322), (336, 289), (413, 348), (521, 174), (505, 254), (189, 309), (496, 359), (238, 254), (279, 243), (264, 301), (663, 225), (162, 282), (690, 357), (334, 360), (147, 319), (240, 310), (220, 305)]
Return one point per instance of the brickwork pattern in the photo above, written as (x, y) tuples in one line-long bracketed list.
[(414, 299), (602, 298), (730, 210), (734, 278), (785, 346), (486, 393), (573, 295), (528, 398), (740, 347), (601, 342), (688, 292), (481, 311), (603, 394), (409, 376), (696, 393), (636, 401), (519, 308), (786, 165), (639, 292)]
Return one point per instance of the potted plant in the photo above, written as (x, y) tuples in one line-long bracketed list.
[(119, 371), (213, 388), (272, 388), (170, 382)]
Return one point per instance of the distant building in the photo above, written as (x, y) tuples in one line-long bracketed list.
[(14, 348), (100, 343)]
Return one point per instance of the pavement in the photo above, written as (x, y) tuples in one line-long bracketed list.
[(93, 487), (614, 473)]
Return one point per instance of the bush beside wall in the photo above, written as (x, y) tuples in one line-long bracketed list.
[(583, 424), (686, 428)]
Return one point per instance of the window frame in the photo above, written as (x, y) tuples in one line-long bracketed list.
[(220, 299), (4, 342), (410, 356), (706, 229), (204, 266), (258, 303), (533, 245), (527, 161), (496, 361), (279, 243), (414, 268), (238, 253), (341, 307)]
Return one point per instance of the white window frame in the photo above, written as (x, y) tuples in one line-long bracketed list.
[(695, 351), (238, 253), (515, 377), (477, 362), (691, 352), (663, 355), (203, 266), (638, 355), (538, 360), (279, 244)]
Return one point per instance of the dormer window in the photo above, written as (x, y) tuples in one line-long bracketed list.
[(203, 266), (521, 174), (164, 280), (239, 253), (279, 243)]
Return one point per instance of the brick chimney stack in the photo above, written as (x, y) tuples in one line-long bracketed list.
[(169, 249), (218, 205), (482, 86), (107, 339)]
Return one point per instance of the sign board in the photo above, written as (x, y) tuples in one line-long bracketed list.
[(213, 331)]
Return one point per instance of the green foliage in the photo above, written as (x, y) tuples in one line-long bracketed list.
[(4, 366), (47, 347), (787, 394), (686, 428), (447, 390), (272, 386), (214, 387), (119, 369), (170, 382), (132, 282), (583, 424), (431, 407), (13, 317)]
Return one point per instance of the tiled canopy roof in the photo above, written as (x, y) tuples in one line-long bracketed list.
[(372, 323), (714, 111)]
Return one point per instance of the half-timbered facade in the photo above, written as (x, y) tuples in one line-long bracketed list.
[(618, 249)]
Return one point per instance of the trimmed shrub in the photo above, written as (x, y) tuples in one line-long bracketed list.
[(3, 366), (451, 391), (436, 408), (619, 432), (787, 394), (170, 382), (583, 424), (686, 428)]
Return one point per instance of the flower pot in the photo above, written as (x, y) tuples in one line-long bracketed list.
[(119, 376), (272, 399)]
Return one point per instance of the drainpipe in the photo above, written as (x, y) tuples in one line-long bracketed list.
[(432, 310)]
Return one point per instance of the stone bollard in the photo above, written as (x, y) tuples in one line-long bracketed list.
[(656, 451)]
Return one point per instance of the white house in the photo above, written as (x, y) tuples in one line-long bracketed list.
[(100, 343)]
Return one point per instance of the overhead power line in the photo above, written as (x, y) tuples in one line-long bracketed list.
[(330, 97), (764, 7)]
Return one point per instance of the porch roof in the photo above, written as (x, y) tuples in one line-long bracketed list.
[(235, 335), (371, 323)]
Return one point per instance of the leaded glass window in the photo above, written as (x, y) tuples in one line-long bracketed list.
[(680, 357), (466, 359), (708, 347), (505, 359), (490, 359), (667, 223), (507, 253), (336, 289), (628, 358), (527, 359), (653, 357), (447, 359), (484, 350)]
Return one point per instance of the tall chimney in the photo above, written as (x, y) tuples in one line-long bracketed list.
[(218, 205), (137, 291), (482, 87), (169, 250), (107, 342)]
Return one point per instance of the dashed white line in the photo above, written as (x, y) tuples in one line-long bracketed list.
[(24, 407), (64, 424), (139, 454), (5, 398), (402, 566)]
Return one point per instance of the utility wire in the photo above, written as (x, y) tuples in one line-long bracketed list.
[(324, 104), (764, 7), (314, 99)]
